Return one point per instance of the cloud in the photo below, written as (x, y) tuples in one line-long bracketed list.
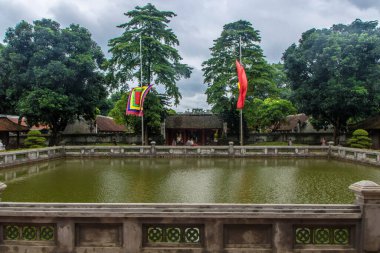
[(191, 102), (366, 4), (194, 85)]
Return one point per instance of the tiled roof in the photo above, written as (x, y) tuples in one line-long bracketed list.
[(7, 125), (368, 124), (291, 122), (107, 124), (14, 119), (194, 121)]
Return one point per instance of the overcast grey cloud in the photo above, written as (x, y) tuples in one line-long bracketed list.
[(198, 23), (366, 4)]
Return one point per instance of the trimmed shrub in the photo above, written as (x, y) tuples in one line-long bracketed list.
[(35, 140), (360, 139)]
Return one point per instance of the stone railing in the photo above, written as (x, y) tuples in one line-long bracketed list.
[(359, 155), (117, 228), (230, 150), (30, 155)]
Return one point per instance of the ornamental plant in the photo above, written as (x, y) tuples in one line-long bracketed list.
[(360, 139), (35, 140)]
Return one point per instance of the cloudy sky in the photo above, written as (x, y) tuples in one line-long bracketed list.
[(198, 23)]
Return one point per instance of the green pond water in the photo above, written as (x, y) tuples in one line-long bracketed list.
[(186, 180)]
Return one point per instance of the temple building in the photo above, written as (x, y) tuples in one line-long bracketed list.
[(201, 129)]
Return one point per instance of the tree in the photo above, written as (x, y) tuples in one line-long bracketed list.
[(220, 70), (155, 109), (34, 140), (335, 73), (281, 81), (3, 105), (263, 114), (107, 104), (161, 60), (360, 139), (50, 75)]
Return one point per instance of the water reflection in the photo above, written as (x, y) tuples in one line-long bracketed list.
[(22, 172), (191, 180)]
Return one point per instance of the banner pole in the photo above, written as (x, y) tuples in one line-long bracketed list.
[(141, 84), (241, 110)]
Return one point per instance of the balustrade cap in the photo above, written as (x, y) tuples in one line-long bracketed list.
[(366, 189)]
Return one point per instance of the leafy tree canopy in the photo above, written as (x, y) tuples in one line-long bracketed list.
[(221, 77), (281, 81), (220, 70), (161, 60), (107, 104), (263, 114), (335, 73), (50, 74), (155, 109)]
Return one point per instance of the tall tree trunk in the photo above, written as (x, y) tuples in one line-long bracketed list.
[(336, 131), (53, 137)]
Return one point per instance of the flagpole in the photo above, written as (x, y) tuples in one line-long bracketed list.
[(241, 110), (141, 84)]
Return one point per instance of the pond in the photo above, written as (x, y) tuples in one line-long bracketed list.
[(186, 180)]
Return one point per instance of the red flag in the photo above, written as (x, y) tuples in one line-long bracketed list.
[(243, 85)]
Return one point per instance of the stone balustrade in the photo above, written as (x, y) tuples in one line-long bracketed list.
[(117, 228), (230, 150), (354, 154), (30, 155), (25, 156)]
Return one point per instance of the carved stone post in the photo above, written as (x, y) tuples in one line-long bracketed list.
[(153, 148), (230, 148), (283, 242), (2, 188), (214, 236), (367, 195), (65, 236), (132, 236)]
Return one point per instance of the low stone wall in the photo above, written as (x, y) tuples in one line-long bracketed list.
[(88, 139), (84, 139), (117, 228), (31, 155), (356, 155), (234, 151), (304, 138), (127, 138)]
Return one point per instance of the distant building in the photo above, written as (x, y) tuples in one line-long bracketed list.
[(298, 123), (106, 124), (291, 124), (102, 124), (44, 129), (8, 127), (202, 129)]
